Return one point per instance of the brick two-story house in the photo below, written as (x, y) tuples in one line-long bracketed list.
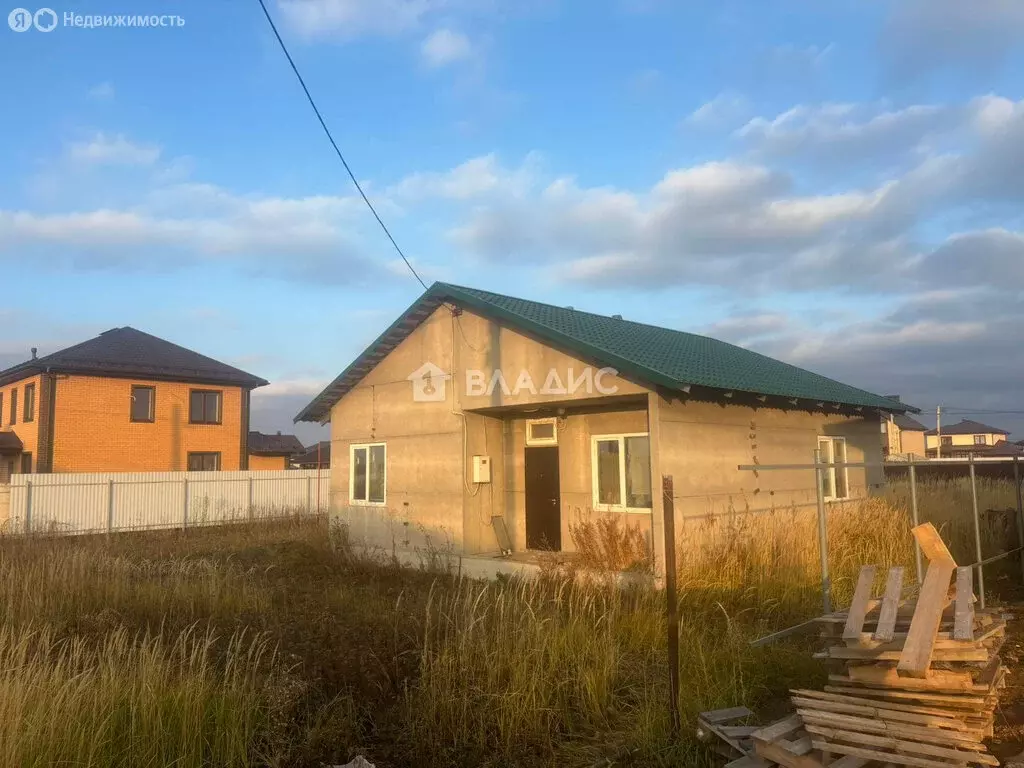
[(124, 401)]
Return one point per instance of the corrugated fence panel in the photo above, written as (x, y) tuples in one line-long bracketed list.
[(101, 502)]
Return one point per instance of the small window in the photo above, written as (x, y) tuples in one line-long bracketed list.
[(979, 440), (26, 463), (14, 406), (541, 432), (622, 473), (143, 403), (1, 409), (368, 474), (204, 462), (947, 440), (204, 406), (30, 403), (835, 481)]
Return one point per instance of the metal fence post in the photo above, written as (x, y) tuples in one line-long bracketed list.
[(184, 493), (309, 495), (913, 517), (1020, 512), (110, 506), (826, 584), (28, 506), (251, 511), (977, 534), (672, 606)]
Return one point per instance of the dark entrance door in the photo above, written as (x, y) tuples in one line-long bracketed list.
[(543, 501)]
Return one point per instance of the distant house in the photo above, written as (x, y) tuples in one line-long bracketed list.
[(1003, 448), (962, 439), (494, 423), (315, 457), (124, 401), (272, 451), (902, 436)]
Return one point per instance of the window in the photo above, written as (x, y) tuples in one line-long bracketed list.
[(204, 406), (947, 440), (622, 472), (1, 408), (541, 432), (204, 462), (835, 483), (368, 474), (26, 463), (979, 440), (30, 403), (143, 402), (14, 407)]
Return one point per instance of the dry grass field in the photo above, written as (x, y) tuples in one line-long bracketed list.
[(278, 644)]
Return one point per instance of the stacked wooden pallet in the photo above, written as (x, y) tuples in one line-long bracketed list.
[(914, 683)]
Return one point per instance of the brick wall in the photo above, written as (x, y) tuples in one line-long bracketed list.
[(268, 462), (27, 432), (93, 430)]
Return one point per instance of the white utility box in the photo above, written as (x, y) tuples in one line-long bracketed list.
[(481, 469)]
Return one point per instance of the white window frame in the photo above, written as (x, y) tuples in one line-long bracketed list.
[(828, 457), (621, 437), (553, 440), (352, 474)]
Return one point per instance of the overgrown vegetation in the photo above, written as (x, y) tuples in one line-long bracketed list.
[(271, 645)]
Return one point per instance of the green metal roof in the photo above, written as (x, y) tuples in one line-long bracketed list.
[(659, 356)]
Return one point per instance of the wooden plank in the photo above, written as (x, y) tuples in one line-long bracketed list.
[(859, 607), (777, 753), (879, 654), (849, 761), (963, 623), (966, 702), (938, 679), (881, 704), (778, 730), (932, 545), (896, 730), (900, 746), (917, 651), (886, 626), (716, 716), (799, 746), (882, 757), (890, 715), (749, 761), (738, 731)]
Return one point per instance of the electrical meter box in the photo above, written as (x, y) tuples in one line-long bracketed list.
[(481, 469)]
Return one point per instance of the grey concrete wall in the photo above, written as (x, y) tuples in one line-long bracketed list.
[(703, 443)]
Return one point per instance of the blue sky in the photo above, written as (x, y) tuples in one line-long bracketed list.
[(833, 184)]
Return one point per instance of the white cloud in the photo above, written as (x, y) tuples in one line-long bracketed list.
[(349, 19), (101, 92), (474, 178), (445, 46), (104, 149), (725, 109)]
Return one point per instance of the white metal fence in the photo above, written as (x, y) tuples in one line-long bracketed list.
[(124, 501)]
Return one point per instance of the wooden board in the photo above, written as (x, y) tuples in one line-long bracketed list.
[(886, 626), (895, 730), (966, 702), (982, 655), (932, 545), (963, 621), (890, 715), (716, 716), (900, 746), (938, 680), (916, 657), (859, 607), (970, 718), (882, 757)]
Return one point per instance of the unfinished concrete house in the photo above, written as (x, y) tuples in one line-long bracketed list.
[(490, 424)]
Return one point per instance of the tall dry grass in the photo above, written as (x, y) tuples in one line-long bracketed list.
[(272, 645)]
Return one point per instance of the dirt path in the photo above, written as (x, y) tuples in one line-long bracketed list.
[(1008, 742)]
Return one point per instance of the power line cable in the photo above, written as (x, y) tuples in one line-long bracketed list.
[(334, 144)]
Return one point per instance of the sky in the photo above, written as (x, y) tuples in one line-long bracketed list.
[(837, 184)]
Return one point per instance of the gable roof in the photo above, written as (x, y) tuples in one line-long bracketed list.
[(908, 424), (274, 445), (319, 453), (659, 356), (128, 353), (968, 427), (1004, 448)]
